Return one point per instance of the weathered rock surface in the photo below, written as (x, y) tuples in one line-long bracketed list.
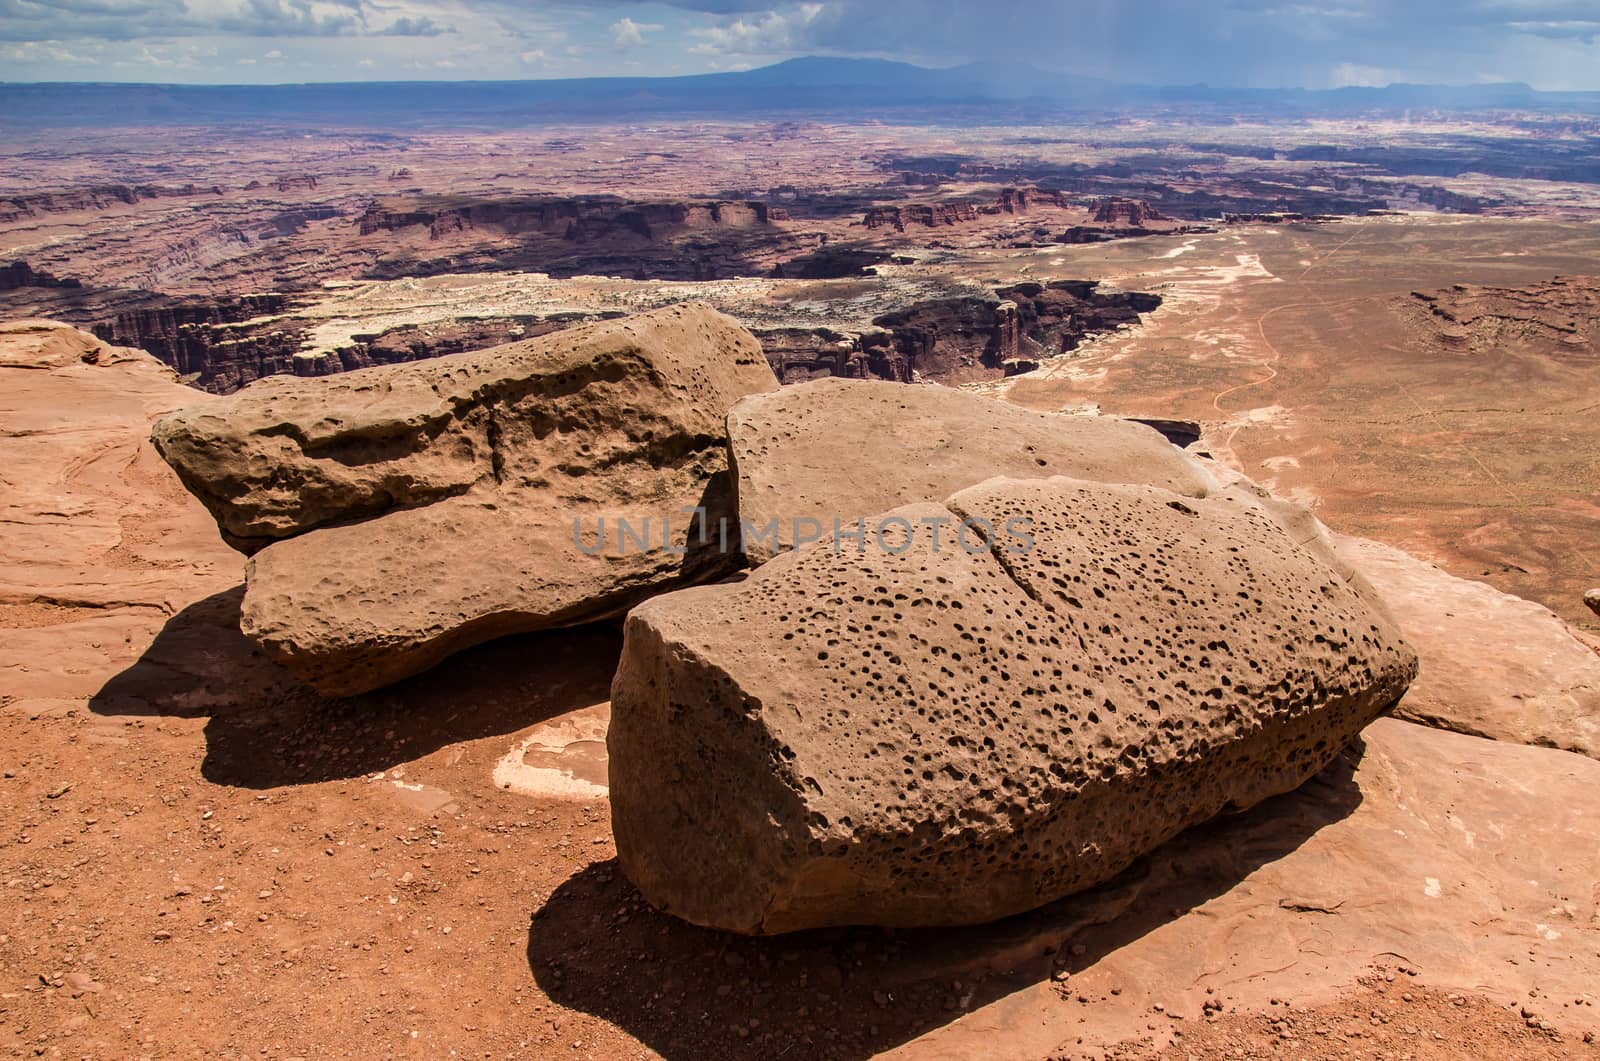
[(911, 734), (1132, 211), (1494, 665), (402, 513), (1592, 599), (582, 235), (969, 338), (801, 354), (847, 449), (938, 214), (1469, 862), (88, 572)]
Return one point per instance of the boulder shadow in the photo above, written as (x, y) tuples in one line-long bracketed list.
[(265, 729), (690, 993)]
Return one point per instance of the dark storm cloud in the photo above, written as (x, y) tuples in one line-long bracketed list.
[(1223, 42)]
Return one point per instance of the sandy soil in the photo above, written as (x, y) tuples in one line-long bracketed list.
[(1297, 348)]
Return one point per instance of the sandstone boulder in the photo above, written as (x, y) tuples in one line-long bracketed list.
[(846, 449), (914, 733), (399, 514), (1592, 599)]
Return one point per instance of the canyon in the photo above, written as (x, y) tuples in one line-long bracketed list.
[(1348, 354)]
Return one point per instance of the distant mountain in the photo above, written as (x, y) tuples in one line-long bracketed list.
[(799, 88)]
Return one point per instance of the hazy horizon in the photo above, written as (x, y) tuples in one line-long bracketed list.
[(1548, 44), (157, 83)]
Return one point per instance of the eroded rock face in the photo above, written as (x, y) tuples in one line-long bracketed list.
[(924, 736), (399, 514), (847, 449), (967, 338), (1134, 212)]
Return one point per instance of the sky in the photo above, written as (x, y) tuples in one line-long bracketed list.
[(1550, 44)]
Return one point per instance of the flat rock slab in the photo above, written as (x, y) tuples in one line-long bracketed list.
[(560, 758), (1493, 665), (911, 734), (846, 449), (399, 514), (100, 546), (1470, 861)]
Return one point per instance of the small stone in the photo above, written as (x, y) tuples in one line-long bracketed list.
[(79, 983)]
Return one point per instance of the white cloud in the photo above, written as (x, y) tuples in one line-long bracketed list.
[(626, 33), (769, 34)]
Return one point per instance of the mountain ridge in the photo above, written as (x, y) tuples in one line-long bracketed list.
[(819, 86)]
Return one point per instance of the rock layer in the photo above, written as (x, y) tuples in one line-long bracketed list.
[(969, 338), (846, 449), (101, 545), (1496, 665), (916, 735), (401, 513)]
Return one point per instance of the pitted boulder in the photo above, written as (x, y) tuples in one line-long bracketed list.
[(921, 736), (842, 449), (399, 514)]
